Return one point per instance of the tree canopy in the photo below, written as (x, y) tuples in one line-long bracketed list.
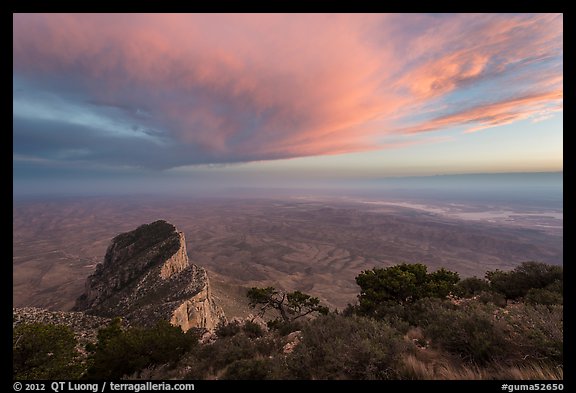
[(404, 283), (518, 282), (290, 305)]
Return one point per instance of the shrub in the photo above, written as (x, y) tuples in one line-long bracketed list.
[(227, 329), (401, 284), (43, 351), (535, 332), (248, 369), (539, 275), (516, 283), (471, 286), (284, 328), (469, 331), (211, 360), (268, 346), (337, 347), (126, 352), (543, 296), (556, 286), (422, 312), (495, 298), (252, 329)]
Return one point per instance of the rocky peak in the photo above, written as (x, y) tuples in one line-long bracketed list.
[(146, 276), (177, 262)]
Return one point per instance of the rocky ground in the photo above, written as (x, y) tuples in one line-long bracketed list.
[(85, 327)]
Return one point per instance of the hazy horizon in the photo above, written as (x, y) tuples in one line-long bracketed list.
[(541, 189)]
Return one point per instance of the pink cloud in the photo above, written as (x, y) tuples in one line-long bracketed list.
[(258, 86), (497, 113)]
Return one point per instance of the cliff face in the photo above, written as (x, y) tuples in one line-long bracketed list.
[(146, 276), (199, 310)]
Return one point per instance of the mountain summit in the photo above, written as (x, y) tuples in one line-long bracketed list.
[(146, 277)]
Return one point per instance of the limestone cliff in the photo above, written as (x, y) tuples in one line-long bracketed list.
[(199, 310), (146, 276)]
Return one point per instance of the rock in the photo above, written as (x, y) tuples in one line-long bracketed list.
[(146, 277), (293, 339), (200, 310), (258, 321), (251, 318)]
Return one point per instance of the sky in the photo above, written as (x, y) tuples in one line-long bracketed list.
[(119, 103)]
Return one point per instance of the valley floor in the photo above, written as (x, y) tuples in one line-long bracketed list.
[(313, 244)]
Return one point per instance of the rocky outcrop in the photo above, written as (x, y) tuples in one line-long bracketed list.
[(200, 310), (146, 276)]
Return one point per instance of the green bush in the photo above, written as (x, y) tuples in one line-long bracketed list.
[(469, 331), (421, 312), (556, 286), (248, 369), (516, 283), (535, 332), (214, 357), (284, 328), (471, 286), (227, 329), (43, 351), (543, 296), (402, 284), (224, 352), (268, 346), (337, 347), (252, 329), (120, 353), (496, 298)]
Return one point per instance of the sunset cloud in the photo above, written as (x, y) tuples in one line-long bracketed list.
[(496, 113), (163, 91)]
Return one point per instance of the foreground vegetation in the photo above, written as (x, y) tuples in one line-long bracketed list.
[(408, 324)]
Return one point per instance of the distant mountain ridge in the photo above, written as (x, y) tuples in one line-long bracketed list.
[(146, 277)]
